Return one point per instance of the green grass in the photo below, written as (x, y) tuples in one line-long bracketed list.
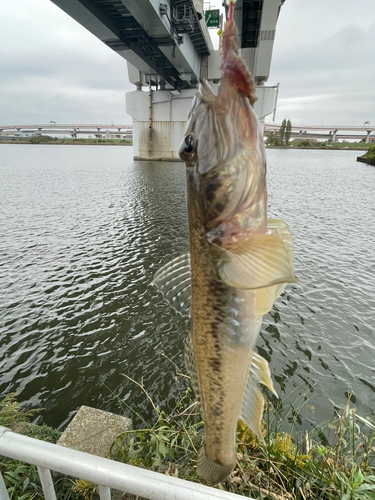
[(334, 461), (45, 139), (370, 155), (325, 145), (21, 479)]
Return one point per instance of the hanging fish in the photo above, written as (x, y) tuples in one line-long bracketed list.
[(239, 262)]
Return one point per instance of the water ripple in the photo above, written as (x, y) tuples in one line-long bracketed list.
[(84, 231)]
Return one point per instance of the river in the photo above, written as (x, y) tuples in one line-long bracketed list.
[(84, 228)]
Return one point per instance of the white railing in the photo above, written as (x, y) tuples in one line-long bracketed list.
[(102, 471)]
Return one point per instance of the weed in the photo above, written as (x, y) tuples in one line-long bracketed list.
[(11, 412), (334, 461)]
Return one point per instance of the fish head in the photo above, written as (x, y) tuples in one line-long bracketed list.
[(224, 152)]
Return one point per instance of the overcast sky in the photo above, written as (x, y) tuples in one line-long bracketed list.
[(51, 68)]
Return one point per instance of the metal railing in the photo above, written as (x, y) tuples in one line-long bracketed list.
[(102, 471)]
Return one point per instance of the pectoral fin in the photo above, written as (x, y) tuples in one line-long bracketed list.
[(174, 282), (261, 261), (265, 297), (253, 401)]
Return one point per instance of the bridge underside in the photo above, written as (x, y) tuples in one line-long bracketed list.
[(161, 40), (168, 48)]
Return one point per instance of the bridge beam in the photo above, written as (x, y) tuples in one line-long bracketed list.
[(157, 23)]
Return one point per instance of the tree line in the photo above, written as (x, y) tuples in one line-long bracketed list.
[(282, 136)]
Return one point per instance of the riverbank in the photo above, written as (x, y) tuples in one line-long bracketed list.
[(129, 142), (369, 157), (325, 146), (75, 142), (333, 461)]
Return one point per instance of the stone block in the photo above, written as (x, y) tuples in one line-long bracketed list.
[(94, 431)]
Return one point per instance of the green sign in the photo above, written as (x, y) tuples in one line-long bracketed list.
[(212, 18)]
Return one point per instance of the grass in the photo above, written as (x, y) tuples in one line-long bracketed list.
[(21, 479), (370, 155), (334, 461), (45, 139), (12, 415), (306, 144)]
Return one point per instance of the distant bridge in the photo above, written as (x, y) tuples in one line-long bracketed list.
[(328, 132), (74, 130)]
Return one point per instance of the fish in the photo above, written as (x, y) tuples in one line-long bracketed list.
[(239, 261)]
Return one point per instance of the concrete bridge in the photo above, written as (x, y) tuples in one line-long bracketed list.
[(328, 132), (168, 49), (74, 129)]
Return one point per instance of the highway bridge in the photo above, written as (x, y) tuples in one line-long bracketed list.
[(168, 49), (60, 129), (332, 133), (328, 132)]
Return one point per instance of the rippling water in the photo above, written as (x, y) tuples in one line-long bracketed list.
[(84, 228)]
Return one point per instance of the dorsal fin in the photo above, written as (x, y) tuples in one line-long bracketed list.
[(174, 282)]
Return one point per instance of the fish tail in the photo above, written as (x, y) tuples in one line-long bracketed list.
[(211, 471)]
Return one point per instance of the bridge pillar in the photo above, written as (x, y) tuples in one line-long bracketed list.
[(368, 135), (158, 122), (334, 136)]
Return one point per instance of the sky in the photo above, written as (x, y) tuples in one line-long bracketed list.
[(52, 69)]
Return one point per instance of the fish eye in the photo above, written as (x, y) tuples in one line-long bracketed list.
[(189, 143), (187, 148)]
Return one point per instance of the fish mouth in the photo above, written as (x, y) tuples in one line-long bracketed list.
[(233, 68)]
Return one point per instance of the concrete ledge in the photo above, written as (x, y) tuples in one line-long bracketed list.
[(94, 431)]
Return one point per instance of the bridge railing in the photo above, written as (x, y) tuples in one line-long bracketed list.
[(106, 473)]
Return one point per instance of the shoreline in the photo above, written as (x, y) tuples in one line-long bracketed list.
[(321, 148), (78, 143), (91, 142)]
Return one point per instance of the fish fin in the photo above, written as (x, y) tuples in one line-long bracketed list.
[(253, 401), (261, 370), (190, 366), (174, 282), (261, 261), (212, 472), (280, 228), (265, 297)]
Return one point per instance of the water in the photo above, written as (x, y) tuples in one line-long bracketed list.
[(84, 228)]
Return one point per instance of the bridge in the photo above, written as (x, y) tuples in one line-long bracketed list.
[(328, 132), (74, 129), (168, 48)]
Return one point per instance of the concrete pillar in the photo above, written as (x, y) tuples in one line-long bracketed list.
[(266, 102), (334, 136), (368, 135), (159, 138)]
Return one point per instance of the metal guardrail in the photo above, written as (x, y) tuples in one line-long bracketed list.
[(102, 471)]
